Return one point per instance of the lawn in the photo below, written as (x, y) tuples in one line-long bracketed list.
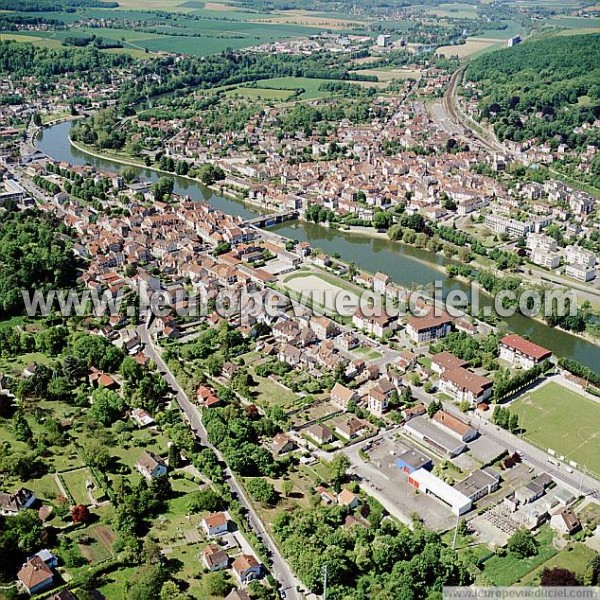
[(556, 417), (510, 569), (574, 557), (367, 353), (75, 482), (271, 393)]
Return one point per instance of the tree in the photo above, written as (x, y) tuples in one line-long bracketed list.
[(558, 577), (80, 514), (286, 487), (128, 174), (218, 584), (434, 407), (262, 491), (174, 456), (163, 188), (338, 467), (522, 544)]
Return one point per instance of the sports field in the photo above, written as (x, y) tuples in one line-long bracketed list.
[(556, 417)]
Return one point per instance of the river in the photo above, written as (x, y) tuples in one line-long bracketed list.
[(406, 265)]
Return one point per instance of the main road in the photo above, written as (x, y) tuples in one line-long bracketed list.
[(280, 569)]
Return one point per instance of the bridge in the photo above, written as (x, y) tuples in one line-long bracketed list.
[(272, 218)]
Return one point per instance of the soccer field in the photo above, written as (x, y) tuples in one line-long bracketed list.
[(556, 417)]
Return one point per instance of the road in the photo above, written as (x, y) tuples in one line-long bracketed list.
[(280, 569)]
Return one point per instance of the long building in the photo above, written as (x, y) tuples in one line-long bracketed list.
[(428, 483)]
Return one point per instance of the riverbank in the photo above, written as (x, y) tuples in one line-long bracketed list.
[(371, 251), (353, 231)]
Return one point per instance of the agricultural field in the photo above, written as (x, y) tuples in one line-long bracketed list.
[(472, 47), (387, 75), (556, 417)]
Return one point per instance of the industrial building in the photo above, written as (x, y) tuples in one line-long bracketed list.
[(424, 429), (428, 483)]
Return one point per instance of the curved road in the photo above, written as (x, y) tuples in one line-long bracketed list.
[(280, 569)]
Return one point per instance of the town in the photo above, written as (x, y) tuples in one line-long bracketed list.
[(238, 452)]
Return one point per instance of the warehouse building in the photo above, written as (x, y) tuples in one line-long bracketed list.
[(428, 483), (424, 429)]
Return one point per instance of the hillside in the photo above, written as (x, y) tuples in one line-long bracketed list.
[(542, 89)]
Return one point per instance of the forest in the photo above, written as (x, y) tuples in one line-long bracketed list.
[(24, 60), (33, 257), (547, 89)]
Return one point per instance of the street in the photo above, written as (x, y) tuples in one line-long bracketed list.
[(280, 569)]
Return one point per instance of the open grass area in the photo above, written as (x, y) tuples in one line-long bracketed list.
[(556, 417), (366, 353), (259, 93), (575, 557), (510, 569), (271, 393), (75, 482), (310, 86)]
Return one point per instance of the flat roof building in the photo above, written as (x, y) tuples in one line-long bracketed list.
[(428, 483), (412, 459)]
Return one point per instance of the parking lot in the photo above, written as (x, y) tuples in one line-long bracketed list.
[(390, 485)]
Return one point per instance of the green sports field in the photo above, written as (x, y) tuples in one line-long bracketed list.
[(556, 417)]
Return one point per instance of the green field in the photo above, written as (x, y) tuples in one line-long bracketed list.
[(574, 558), (310, 86), (558, 418), (258, 93), (75, 482), (508, 570)]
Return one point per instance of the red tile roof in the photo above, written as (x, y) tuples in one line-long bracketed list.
[(516, 342)]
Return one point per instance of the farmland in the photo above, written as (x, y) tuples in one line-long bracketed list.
[(556, 417)]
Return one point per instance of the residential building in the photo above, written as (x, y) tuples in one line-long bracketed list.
[(215, 558), (348, 499), (565, 521), (216, 524), (377, 324), (281, 444), (11, 504), (463, 384), (322, 327), (445, 361), (35, 575), (237, 595), (380, 282), (521, 352), (320, 434), (151, 465), (246, 568), (428, 328), (341, 396)]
